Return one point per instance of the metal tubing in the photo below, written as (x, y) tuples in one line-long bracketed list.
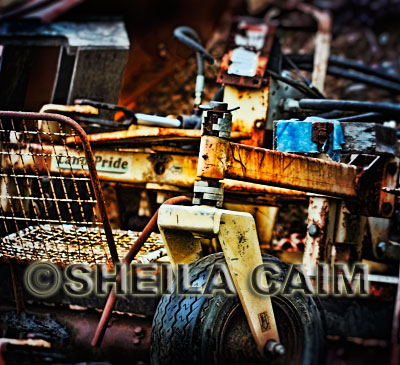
[(148, 119), (349, 105), (345, 63), (105, 316), (359, 77), (183, 34), (128, 337)]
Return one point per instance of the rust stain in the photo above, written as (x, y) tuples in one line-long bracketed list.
[(148, 133), (242, 186), (290, 171)]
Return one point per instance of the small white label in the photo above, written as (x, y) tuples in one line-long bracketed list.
[(244, 62)]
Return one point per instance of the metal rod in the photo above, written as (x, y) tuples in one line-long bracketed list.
[(107, 311), (48, 199), (49, 220), (27, 176), (148, 119)]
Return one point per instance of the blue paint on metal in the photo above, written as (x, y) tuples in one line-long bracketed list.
[(295, 136)]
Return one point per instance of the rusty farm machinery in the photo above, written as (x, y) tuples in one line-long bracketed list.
[(218, 184)]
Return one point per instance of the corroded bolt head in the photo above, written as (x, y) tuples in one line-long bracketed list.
[(313, 230)]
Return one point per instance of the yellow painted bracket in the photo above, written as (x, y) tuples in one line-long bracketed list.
[(181, 228)]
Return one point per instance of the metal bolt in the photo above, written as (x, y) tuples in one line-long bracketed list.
[(275, 348), (219, 105), (259, 124), (313, 230), (136, 341)]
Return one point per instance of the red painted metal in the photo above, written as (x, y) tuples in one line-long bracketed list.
[(105, 317)]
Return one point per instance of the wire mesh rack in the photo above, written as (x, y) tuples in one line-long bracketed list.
[(52, 206), (66, 244)]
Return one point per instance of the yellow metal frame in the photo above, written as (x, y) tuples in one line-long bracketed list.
[(181, 228)]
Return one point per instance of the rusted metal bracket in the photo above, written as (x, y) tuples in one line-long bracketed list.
[(252, 116), (291, 171), (349, 235), (321, 224), (363, 186), (320, 135), (333, 233), (382, 172)]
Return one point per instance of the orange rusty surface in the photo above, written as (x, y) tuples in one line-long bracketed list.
[(287, 170), (145, 172), (147, 134), (252, 115), (84, 109), (318, 247), (212, 157), (247, 187), (387, 200), (248, 163)]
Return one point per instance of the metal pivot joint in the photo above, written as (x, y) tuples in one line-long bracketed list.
[(217, 120), (215, 130), (275, 348)]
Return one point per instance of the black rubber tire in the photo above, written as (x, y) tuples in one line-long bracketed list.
[(188, 329)]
